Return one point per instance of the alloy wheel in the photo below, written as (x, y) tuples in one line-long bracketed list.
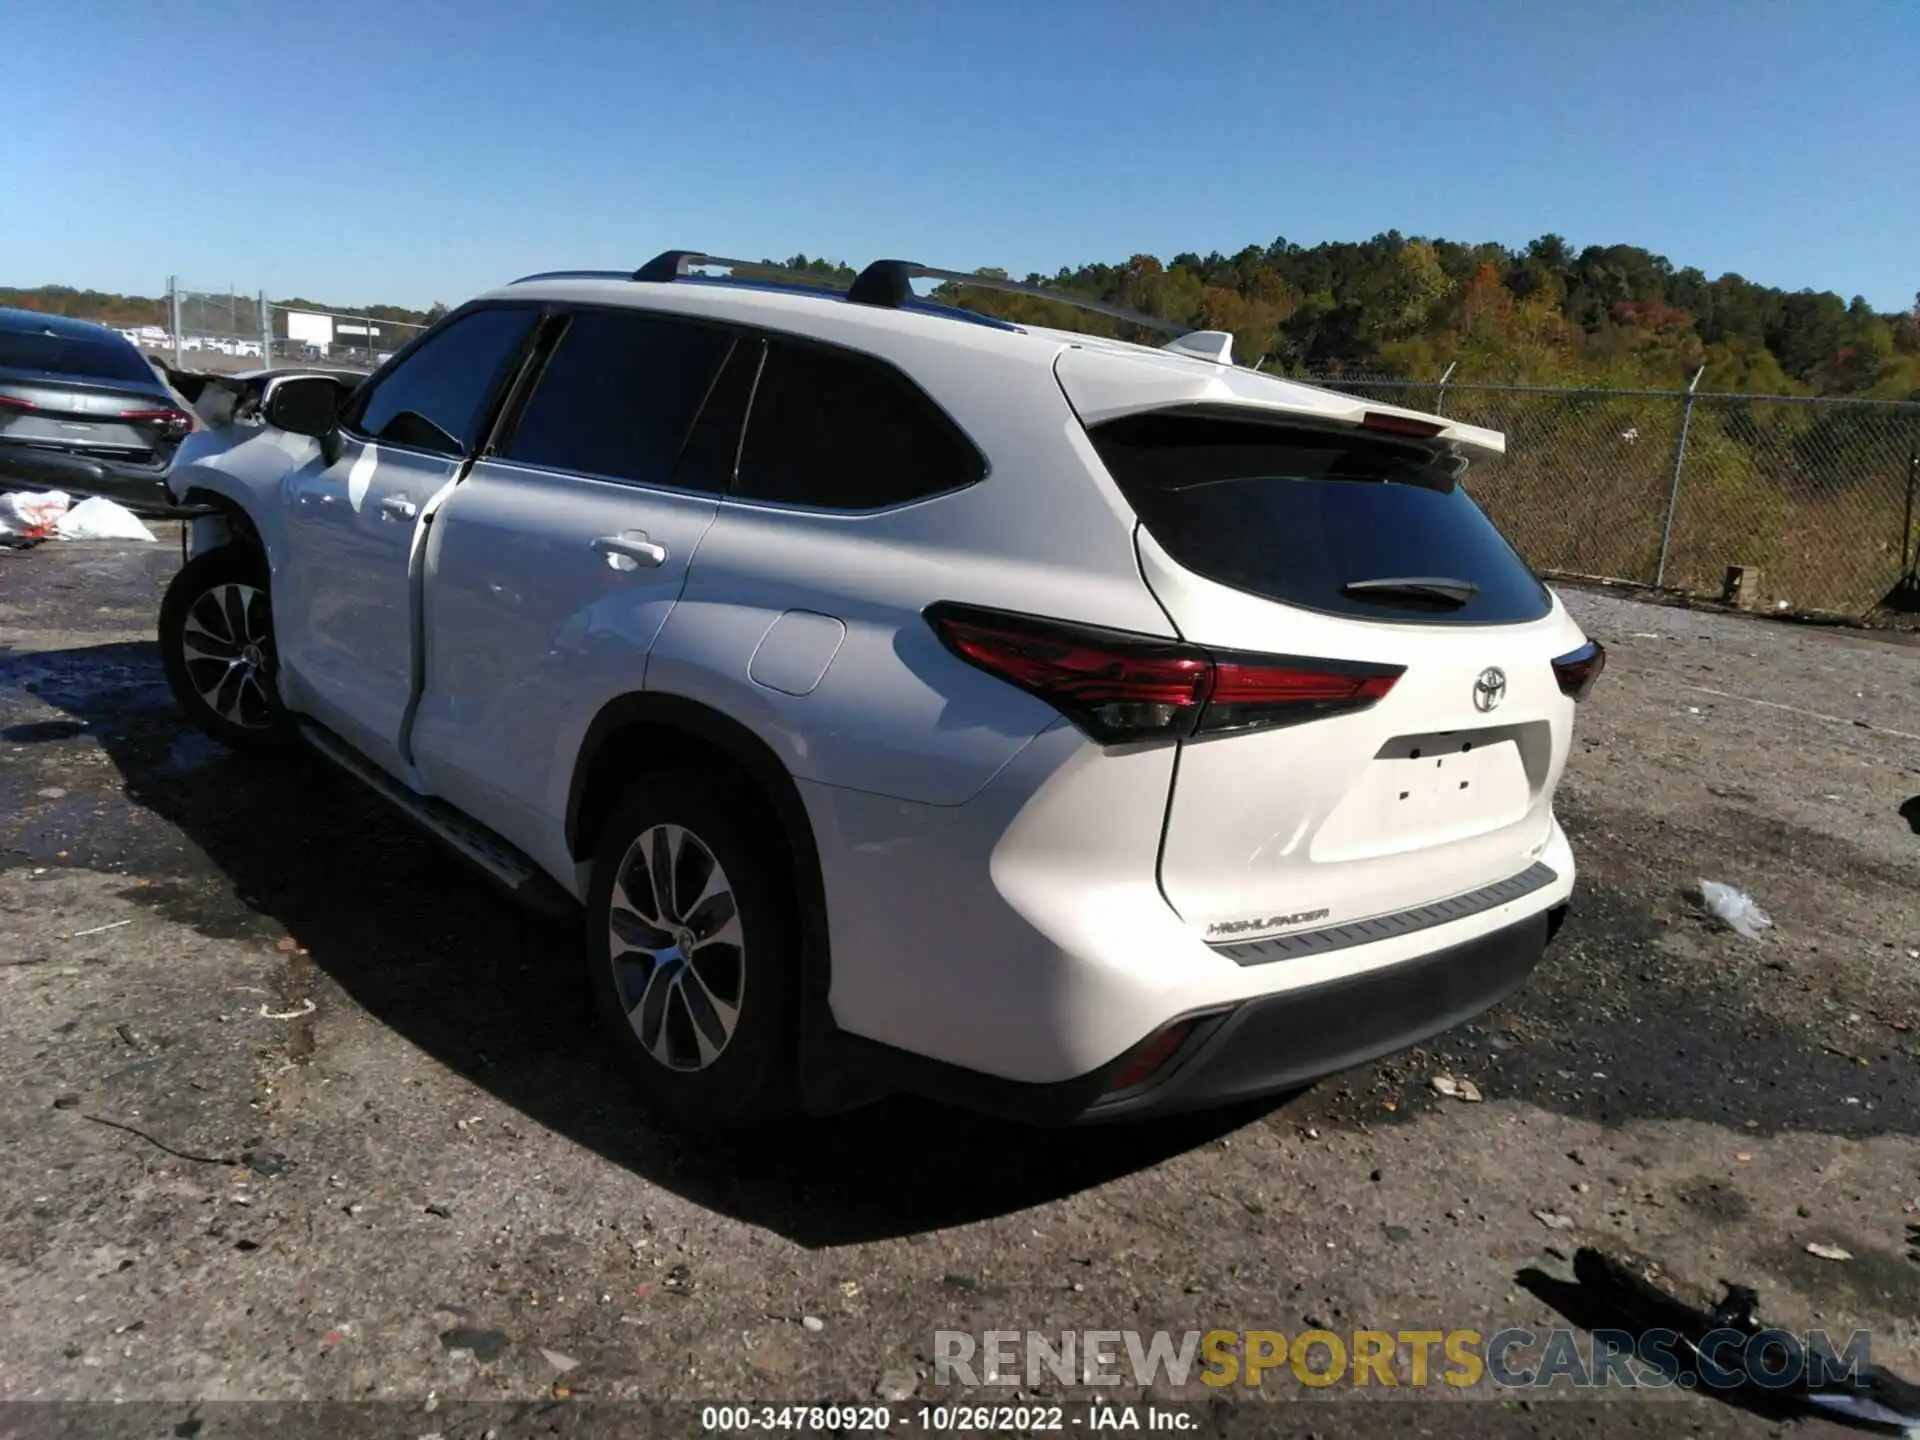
[(673, 932), (225, 640)]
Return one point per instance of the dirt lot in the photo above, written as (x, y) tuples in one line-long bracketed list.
[(298, 1110)]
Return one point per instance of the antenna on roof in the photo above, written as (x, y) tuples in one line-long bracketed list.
[(1214, 345)]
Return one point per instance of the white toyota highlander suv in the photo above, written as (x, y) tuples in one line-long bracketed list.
[(912, 700)]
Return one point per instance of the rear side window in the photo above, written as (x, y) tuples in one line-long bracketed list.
[(837, 431), (619, 396), (1348, 525), (437, 396), (105, 358)]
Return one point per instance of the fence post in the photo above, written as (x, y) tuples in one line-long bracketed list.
[(1673, 490), (1440, 396), (173, 315), (1909, 568), (266, 332)]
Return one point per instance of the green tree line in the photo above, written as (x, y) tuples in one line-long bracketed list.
[(1612, 315)]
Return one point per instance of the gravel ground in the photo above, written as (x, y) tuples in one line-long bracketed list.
[(301, 1111)]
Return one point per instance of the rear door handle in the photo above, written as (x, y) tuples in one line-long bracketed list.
[(633, 546), (398, 507)]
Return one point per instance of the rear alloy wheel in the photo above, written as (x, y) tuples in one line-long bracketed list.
[(216, 645), (691, 948), (673, 935)]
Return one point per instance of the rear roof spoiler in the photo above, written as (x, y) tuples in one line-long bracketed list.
[(1107, 383)]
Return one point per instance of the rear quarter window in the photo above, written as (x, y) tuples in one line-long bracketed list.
[(1320, 519), (840, 431)]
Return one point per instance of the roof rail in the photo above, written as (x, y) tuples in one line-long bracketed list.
[(890, 283), (676, 264), (572, 275)]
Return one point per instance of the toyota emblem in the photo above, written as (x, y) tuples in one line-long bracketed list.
[(1490, 688)]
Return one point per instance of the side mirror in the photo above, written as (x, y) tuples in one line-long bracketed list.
[(303, 404)]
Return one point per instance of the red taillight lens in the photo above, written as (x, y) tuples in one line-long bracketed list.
[(1119, 687), (173, 423), (16, 403), (1114, 687), (1257, 691), (1151, 1056), (1578, 669)]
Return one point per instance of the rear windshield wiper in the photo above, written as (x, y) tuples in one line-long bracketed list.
[(1435, 589)]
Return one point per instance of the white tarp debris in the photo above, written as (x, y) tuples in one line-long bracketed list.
[(31, 513), (98, 518)]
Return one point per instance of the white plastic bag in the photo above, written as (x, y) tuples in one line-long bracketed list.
[(1735, 909), (98, 518), (24, 512)]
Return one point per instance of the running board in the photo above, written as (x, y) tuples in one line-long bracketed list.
[(498, 859)]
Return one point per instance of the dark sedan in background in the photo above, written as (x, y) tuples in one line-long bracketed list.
[(82, 410)]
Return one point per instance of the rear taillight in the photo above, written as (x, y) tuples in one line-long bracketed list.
[(15, 402), (173, 423), (1249, 689), (1578, 669), (1120, 687)]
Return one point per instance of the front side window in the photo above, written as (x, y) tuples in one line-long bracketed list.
[(438, 396), (841, 432), (619, 396)]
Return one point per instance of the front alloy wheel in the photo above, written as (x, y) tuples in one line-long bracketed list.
[(224, 644), (216, 646)]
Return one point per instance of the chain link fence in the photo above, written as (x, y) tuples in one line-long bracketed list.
[(1665, 488), (1670, 488), (208, 329)]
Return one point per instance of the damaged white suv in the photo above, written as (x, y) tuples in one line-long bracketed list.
[(911, 700)]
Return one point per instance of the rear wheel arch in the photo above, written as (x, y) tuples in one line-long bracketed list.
[(636, 733)]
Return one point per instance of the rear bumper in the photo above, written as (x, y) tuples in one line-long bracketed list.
[(1260, 1047), (1284, 1041), (1026, 985), (141, 488)]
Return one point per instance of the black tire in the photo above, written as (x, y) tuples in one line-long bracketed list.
[(663, 1014), (216, 645)]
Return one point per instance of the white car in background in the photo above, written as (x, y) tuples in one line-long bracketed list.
[(910, 699)]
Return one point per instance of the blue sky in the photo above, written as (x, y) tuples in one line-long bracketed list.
[(412, 151)]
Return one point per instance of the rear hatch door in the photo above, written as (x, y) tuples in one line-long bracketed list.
[(1302, 535)]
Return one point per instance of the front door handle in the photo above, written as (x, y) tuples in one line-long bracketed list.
[(633, 547), (398, 507)]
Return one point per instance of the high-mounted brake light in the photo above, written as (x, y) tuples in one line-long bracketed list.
[(1578, 669), (1119, 687), (1400, 425)]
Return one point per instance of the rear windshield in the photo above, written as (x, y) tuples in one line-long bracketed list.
[(1348, 525), (106, 359)]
